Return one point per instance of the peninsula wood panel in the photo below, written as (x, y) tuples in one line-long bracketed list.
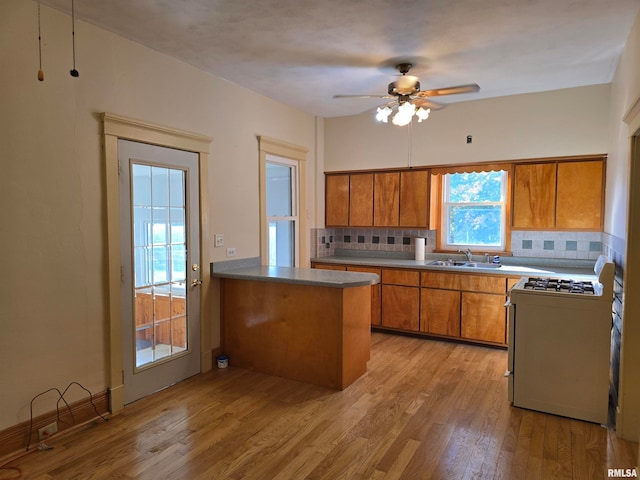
[(414, 198), (483, 317), (312, 334), (440, 312), (579, 194), (337, 200), (361, 200), (534, 196), (386, 199)]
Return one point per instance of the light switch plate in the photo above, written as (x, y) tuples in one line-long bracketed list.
[(219, 239)]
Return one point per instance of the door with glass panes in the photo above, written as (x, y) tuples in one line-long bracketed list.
[(160, 266)]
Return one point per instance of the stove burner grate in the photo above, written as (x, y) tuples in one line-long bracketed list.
[(560, 285)]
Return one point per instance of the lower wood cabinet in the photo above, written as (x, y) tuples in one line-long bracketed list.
[(440, 312), (483, 317), (465, 306), (401, 307), (375, 292)]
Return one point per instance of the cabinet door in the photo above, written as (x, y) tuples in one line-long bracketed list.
[(580, 195), (361, 200), (400, 307), (440, 312), (375, 292), (483, 317), (534, 195), (414, 199), (386, 209), (336, 200)]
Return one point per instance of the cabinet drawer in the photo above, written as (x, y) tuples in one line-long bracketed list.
[(329, 266), (472, 283), (357, 268), (401, 277)]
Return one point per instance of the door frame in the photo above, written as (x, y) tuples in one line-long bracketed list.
[(118, 127)]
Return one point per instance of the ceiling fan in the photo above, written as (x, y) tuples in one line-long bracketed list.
[(409, 100)]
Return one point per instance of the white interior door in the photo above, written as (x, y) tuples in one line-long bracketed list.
[(160, 254)]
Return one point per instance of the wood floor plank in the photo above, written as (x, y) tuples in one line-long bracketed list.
[(424, 409)]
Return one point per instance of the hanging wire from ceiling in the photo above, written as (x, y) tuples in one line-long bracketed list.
[(74, 72), (40, 72)]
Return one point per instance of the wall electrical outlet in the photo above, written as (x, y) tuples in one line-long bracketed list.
[(231, 252), (218, 239), (47, 431)]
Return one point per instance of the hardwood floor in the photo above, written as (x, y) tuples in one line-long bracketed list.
[(424, 410)]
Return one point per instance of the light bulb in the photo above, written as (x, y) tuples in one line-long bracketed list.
[(422, 114), (404, 115), (383, 113)]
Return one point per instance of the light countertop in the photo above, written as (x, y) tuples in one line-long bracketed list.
[(535, 267), (252, 270)]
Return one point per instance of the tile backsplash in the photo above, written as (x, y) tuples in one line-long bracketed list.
[(554, 244), (551, 244)]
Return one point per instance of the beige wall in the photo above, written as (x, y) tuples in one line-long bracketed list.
[(620, 205), (556, 123), (53, 304)]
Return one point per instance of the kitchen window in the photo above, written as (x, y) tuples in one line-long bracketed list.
[(282, 212), (474, 211), (283, 230)]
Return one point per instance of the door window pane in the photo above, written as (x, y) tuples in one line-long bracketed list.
[(160, 262)]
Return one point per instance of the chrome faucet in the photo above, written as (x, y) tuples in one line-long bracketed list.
[(467, 253)]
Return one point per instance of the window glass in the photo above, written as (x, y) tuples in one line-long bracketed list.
[(474, 210), (281, 211)]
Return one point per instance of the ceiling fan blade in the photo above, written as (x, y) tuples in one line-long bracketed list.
[(363, 96), (424, 103), (470, 88)]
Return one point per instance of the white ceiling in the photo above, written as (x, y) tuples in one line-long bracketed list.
[(302, 52)]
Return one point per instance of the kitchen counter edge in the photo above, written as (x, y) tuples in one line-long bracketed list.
[(504, 270), (251, 269)]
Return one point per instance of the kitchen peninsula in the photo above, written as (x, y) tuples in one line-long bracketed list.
[(304, 324)]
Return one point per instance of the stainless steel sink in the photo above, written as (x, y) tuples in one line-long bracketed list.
[(463, 264)]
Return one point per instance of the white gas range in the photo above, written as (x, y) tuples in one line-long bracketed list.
[(559, 344)]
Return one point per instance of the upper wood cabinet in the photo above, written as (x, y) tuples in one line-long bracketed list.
[(337, 200), (361, 200), (566, 195), (414, 198), (534, 195), (579, 195), (386, 204), (382, 199)]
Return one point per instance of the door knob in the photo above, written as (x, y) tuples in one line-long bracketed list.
[(196, 282)]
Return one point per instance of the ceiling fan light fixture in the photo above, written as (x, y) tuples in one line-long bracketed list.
[(382, 114), (404, 115), (422, 114)]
